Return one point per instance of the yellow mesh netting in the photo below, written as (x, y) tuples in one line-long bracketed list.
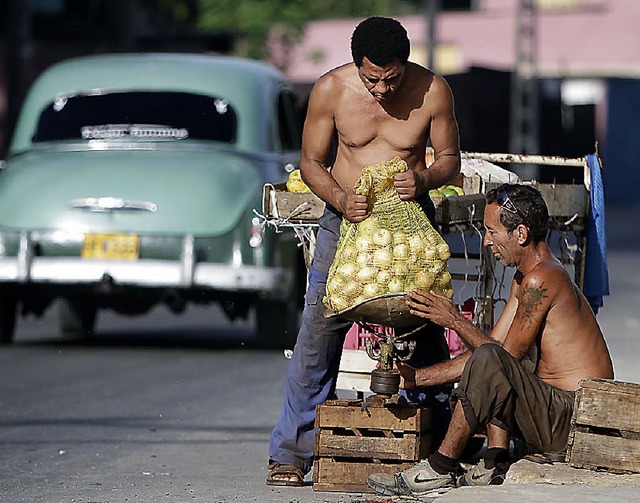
[(393, 251)]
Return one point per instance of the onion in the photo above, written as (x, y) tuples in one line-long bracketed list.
[(382, 237), (430, 253), (382, 257), (444, 279), (383, 277), (443, 251), (339, 303), (371, 290), (401, 251), (424, 279), (347, 269), (363, 243), (352, 289), (366, 274), (364, 259), (395, 285), (416, 243)]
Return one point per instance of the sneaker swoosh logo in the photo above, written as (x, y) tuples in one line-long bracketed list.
[(418, 480), (475, 476)]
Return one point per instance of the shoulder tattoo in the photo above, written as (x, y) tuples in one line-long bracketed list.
[(530, 302)]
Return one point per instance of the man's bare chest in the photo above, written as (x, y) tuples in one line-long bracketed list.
[(359, 127)]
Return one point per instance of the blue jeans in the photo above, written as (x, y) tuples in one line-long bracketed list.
[(313, 370)]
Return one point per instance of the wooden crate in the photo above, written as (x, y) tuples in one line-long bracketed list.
[(605, 431), (353, 442), (294, 207)]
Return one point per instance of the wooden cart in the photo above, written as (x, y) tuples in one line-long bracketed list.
[(459, 220)]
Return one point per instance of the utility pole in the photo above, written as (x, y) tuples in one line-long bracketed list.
[(431, 9), (524, 134)]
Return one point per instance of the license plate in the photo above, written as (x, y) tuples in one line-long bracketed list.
[(111, 246)]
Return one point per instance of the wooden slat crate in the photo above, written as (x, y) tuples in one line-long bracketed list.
[(352, 442), (294, 207), (605, 430)]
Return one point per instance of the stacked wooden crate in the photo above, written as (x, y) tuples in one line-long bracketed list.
[(356, 438), (605, 431)]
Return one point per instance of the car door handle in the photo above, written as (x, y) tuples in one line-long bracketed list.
[(104, 204)]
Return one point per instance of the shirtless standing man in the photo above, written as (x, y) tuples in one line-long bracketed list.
[(545, 310), (380, 106)]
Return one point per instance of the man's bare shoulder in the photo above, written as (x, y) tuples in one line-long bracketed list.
[(335, 80), (546, 279)]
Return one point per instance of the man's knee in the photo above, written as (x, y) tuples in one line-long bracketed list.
[(485, 361), (487, 352)]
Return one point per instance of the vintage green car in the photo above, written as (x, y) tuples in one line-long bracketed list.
[(133, 180)]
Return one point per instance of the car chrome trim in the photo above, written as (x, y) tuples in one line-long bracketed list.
[(105, 204), (187, 261), (25, 257), (146, 273)]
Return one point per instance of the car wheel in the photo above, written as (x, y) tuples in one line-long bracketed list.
[(8, 306), (277, 323), (76, 319)]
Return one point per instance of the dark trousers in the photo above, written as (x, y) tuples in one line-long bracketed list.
[(496, 388)]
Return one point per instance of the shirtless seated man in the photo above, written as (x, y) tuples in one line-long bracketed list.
[(545, 311)]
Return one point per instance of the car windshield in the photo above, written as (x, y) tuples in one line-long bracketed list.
[(138, 116)]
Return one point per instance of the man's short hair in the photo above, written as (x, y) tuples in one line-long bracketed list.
[(521, 204), (381, 40)]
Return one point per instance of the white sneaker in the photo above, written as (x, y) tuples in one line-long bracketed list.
[(414, 481), (480, 475)]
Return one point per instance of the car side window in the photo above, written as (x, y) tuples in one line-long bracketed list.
[(289, 126)]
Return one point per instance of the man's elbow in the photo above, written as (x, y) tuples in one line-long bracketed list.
[(453, 163)]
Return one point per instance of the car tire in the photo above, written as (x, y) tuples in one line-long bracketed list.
[(76, 319), (8, 307), (277, 323)]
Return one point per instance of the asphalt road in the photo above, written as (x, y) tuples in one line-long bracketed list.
[(179, 409)]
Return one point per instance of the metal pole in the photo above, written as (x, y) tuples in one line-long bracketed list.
[(431, 8), (524, 87)]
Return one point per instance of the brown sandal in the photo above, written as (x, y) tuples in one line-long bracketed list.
[(276, 468)]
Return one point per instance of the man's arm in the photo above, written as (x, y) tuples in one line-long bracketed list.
[(448, 371), (319, 128), (445, 140)]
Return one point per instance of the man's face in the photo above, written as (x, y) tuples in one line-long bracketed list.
[(381, 81), (503, 244)]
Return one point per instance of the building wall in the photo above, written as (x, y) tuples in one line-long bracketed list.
[(621, 150)]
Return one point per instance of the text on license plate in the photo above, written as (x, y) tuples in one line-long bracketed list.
[(111, 246)]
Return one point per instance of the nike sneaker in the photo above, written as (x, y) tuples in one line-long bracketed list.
[(480, 475), (415, 481)]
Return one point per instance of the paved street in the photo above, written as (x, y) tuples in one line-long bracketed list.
[(180, 409)]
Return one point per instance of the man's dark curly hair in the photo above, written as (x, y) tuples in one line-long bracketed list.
[(381, 40), (525, 206)]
